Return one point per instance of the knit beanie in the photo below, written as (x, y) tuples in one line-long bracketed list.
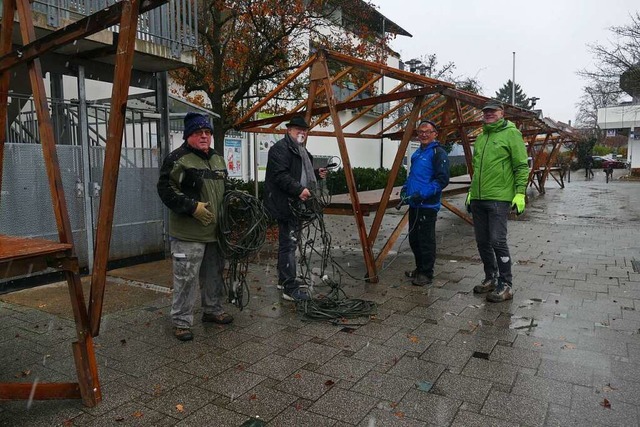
[(194, 122)]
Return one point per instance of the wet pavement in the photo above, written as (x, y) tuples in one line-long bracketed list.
[(565, 351)]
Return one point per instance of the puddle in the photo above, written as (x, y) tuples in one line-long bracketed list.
[(522, 323)]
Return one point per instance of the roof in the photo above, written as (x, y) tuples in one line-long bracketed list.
[(376, 20)]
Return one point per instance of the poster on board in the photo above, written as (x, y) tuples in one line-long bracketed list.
[(233, 156)]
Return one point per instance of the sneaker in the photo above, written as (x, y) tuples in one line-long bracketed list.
[(183, 334), (410, 273), (299, 283), (502, 293), (487, 285), (221, 319), (421, 280), (296, 295)]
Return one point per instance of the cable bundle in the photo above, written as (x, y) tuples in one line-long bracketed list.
[(243, 231)]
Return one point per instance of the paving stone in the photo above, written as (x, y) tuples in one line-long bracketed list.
[(213, 415), (436, 332), (521, 409), (460, 387), (346, 368), (515, 356), (40, 413), (344, 405), (286, 340), (314, 353), (382, 386), (232, 382), (390, 418), (189, 397), (263, 329), (349, 341), (587, 406), (294, 417), (448, 356), (428, 407), (470, 419), (380, 354), (409, 342), (472, 342), (544, 389), (494, 372), (307, 384), (250, 352), (262, 402), (403, 321), (377, 331), (276, 367)]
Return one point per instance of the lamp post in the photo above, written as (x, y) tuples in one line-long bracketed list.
[(513, 81)]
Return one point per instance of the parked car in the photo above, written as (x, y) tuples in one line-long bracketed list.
[(614, 163)]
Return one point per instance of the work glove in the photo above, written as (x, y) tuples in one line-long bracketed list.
[(467, 202), (518, 203), (202, 214)]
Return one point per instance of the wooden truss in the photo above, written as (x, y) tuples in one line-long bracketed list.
[(19, 255), (410, 99)]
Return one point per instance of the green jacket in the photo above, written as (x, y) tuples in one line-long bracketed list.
[(189, 176), (500, 167)]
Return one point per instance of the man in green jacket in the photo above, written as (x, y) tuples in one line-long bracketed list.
[(191, 185), (500, 175)]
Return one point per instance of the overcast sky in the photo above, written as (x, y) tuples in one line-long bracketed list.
[(549, 37)]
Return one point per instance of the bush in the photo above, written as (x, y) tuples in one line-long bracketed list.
[(366, 179)]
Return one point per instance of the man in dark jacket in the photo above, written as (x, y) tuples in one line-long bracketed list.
[(191, 185), (290, 176), (428, 176)]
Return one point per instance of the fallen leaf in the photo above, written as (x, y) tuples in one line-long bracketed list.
[(537, 344), (138, 414), (179, 408), (123, 341), (399, 414), (393, 404), (119, 419), (606, 404), (608, 388), (67, 423), (298, 406), (253, 397), (42, 305), (297, 376), (568, 347), (329, 383), (414, 339)]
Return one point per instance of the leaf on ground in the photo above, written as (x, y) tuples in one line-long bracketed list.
[(119, 419), (606, 404), (67, 423), (414, 339), (297, 376), (568, 347), (138, 414), (329, 383), (399, 414), (123, 341), (608, 388), (253, 397), (179, 407), (537, 344)]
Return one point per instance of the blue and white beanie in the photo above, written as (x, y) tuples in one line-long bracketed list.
[(194, 122)]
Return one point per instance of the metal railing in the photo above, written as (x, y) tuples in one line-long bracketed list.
[(174, 24)]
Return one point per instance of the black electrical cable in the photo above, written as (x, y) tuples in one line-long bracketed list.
[(243, 229)]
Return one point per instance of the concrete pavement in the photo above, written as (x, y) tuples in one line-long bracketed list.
[(565, 351)]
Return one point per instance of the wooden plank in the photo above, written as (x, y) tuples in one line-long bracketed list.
[(41, 391), (14, 248), (392, 240), (115, 128)]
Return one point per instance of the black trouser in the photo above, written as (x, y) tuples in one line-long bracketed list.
[(288, 234), (490, 226), (422, 238)]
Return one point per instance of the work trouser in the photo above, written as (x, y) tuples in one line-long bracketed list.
[(196, 266), (490, 226), (422, 238), (288, 235)]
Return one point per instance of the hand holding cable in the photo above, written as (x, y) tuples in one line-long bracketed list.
[(202, 214)]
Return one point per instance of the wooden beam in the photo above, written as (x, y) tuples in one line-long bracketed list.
[(6, 31), (395, 234), (466, 145), (115, 128), (41, 391)]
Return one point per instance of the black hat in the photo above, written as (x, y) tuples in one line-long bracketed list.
[(298, 121), (194, 122), (493, 105)]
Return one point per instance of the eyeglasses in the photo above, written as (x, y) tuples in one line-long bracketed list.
[(425, 132), (206, 132)]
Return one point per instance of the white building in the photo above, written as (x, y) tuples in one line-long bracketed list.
[(624, 119)]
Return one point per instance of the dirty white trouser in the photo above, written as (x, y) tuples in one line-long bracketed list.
[(195, 265)]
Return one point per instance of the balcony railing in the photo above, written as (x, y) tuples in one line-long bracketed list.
[(174, 24)]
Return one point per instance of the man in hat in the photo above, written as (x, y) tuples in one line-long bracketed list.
[(191, 185), (290, 176), (500, 175)]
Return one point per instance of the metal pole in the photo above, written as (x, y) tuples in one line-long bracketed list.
[(83, 138), (513, 81)]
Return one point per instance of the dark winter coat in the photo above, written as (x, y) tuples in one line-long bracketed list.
[(189, 176), (282, 179)]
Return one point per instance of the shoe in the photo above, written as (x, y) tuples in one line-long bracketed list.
[(410, 273), (221, 319), (421, 280), (502, 292), (299, 283), (296, 295), (487, 285), (183, 334)]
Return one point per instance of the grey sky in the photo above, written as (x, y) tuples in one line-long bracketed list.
[(549, 38)]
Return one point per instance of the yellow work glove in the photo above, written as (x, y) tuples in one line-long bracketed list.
[(518, 203), (202, 214), (467, 202)]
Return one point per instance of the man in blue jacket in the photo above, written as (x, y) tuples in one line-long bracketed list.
[(428, 176)]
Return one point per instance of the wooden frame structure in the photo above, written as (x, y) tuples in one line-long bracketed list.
[(17, 253), (410, 99)]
